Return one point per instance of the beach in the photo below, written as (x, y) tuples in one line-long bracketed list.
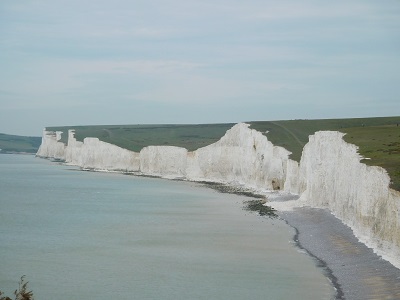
[(354, 269)]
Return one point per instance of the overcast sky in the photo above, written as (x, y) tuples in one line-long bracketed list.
[(70, 62)]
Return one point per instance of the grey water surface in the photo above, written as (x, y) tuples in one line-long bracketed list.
[(90, 235)]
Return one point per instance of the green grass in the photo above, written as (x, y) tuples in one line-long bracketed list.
[(381, 144), (19, 144), (377, 138), (293, 134), (136, 137)]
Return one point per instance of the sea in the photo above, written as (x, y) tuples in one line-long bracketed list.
[(76, 234)]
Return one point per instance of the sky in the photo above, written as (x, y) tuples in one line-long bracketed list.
[(92, 62)]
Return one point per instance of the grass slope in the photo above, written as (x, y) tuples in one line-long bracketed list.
[(19, 144), (377, 138), (381, 144), (136, 137)]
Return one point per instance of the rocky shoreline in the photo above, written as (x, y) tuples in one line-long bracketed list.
[(354, 269)]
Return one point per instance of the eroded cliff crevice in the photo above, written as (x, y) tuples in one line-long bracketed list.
[(329, 175)]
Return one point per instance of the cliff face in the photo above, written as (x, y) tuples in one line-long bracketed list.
[(95, 154), (50, 146), (329, 175), (241, 156), (165, 161)]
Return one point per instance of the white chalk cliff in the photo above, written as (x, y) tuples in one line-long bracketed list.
[(51, 146), (329, 175)]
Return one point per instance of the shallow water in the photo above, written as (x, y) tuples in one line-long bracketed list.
[(93, 235)]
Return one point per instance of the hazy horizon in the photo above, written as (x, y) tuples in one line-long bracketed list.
[(68, 63)]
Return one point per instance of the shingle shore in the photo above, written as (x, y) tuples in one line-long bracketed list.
[(356, 271)]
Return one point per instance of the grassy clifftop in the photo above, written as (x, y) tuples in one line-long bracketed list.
[(135, 137), (377, 138), (293, 134)]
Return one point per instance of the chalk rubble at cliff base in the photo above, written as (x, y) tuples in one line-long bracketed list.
[(329, 175)]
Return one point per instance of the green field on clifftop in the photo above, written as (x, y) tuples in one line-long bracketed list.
[(377, 138), (293, 134), (136, 137)]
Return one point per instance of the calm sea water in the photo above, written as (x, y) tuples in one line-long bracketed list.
[(86, 235)]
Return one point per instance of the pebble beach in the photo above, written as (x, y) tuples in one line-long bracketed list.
[(354, 269)]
